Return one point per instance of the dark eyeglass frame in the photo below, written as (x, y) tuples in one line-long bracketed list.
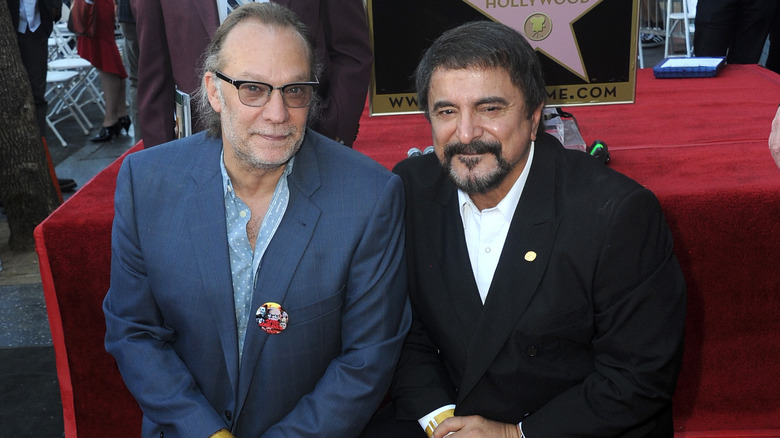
[(271, 88)]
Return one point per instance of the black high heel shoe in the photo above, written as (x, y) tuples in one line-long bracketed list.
[(107, 133), (125, 123)]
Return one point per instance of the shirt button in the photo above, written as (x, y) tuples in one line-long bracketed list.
[(487, 250), (532, 351), (228, 415), (242, 213)]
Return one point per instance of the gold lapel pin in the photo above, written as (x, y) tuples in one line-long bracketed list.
[(530, 256)]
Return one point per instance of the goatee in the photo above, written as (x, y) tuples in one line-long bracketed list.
[(470, 155)]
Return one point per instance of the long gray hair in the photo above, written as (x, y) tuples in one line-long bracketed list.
[(271, 15)]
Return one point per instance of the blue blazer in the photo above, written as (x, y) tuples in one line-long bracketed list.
[(335, 264)]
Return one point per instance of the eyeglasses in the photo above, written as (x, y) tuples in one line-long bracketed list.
[(253, 93)]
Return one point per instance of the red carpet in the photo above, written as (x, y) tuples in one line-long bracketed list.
[(736, 105), (74, 249), (699, 144)]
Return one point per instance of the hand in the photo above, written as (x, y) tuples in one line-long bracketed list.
[(475, 427), (774, 139)]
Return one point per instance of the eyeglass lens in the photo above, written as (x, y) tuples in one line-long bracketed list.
[(293, 95)]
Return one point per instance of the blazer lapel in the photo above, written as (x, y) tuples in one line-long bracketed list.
[(460, 287), (522, 265), (209, 240), (283, 254)]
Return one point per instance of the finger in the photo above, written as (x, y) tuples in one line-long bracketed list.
[(448, 426)]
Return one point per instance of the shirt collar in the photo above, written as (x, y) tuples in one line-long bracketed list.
[(227, 185)]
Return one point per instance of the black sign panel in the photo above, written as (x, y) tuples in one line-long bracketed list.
[(587, 48)]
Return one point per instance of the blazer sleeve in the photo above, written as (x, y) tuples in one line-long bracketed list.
[(421, 383), (137, 336), (375, 321), (350, 58), (156, 86), (639, 300)]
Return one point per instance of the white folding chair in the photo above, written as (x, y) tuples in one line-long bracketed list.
[(683, 16), (86, 90), (640, 53), (60, 84), (62, 42)]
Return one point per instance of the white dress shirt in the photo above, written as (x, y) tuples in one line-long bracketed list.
[(486, 230), (29, 17)]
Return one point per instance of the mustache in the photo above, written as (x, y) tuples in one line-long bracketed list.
[(286, 132), (475, 147)]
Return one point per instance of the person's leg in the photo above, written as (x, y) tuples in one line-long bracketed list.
[(34, 49), (751, 28), (131, 64), (121, 108), (773, 57), (114, 94), (714, 27), (385, 424)]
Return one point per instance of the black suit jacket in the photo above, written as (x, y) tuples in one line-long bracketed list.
[(50, 10), (581, 332)]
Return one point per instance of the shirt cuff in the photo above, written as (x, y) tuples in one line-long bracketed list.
[(430, 421)]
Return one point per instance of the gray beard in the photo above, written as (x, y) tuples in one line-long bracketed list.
[(472, 184)]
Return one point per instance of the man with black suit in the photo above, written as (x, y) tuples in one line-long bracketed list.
[(546, 298), (34, 21), (173, 34)]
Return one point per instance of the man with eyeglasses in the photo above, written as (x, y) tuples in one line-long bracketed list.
[(258, 276), (172, 35)]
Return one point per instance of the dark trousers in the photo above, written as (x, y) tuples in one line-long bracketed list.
[(34, 47), (773, 58), (384, 424), (737, 28)]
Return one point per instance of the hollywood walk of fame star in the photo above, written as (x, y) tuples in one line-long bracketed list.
[(532, 18)]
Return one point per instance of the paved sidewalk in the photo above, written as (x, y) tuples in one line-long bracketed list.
[(30, 404)]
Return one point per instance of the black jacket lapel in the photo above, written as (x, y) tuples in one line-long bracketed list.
[(522, 265)]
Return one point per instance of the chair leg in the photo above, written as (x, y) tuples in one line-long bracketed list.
[(60, 95), (53, 129), (687, 32), (641, 54)]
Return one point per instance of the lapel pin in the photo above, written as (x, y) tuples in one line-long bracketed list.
[(530, 256), (272, 318)]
